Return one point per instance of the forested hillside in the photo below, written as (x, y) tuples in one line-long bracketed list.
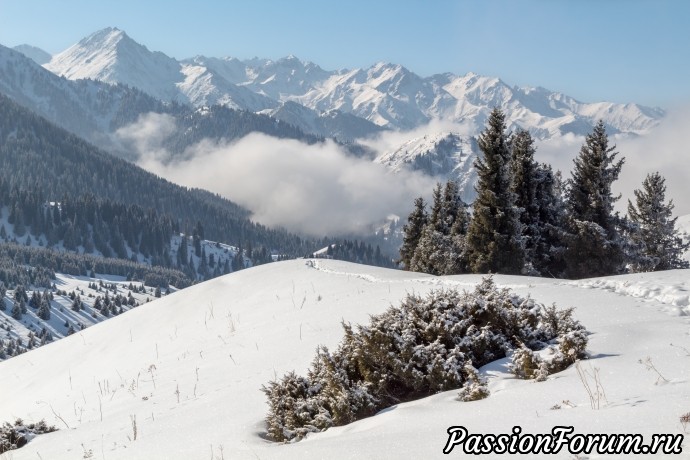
[(56, 166)]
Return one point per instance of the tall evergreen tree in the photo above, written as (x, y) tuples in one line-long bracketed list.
[(458, 223), (540, 207), (493, 236), (595, 244), (524, 172), (654, 228), (44, 311), (548, 257), (412, 232), (16, 311)]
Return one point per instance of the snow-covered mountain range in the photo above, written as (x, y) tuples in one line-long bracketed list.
[(385, 95)]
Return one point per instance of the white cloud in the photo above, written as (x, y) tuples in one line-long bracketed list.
[(313, 189), (321, 190), (146, 136)]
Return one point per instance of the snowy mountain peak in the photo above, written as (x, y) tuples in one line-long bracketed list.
[(105, 39), (112, 56)]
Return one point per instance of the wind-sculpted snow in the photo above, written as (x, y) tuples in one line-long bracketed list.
[(456, 282), (675, 297)]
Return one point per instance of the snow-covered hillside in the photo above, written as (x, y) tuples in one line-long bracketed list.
[(78, 302), (211, 259), (180, 377), (387, 95)]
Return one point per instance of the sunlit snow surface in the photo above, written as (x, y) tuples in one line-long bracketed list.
[(214, 345)]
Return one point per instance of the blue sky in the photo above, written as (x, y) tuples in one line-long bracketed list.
[(616, 50)]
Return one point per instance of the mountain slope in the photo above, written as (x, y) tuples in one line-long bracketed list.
[(87, 108), (39, 156), (37, 55), (385, 94), (180, 377), (111, 56), (343, 126), (444, 155)]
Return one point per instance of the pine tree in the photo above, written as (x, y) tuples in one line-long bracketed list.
[(458, 221), (429, 252), (441, 246), (654, 228), (44, 311), (412, 232), (548, 257), (595, 244), (524, 172), (493, 236), (16, 311), (182, 252), (76, 304)]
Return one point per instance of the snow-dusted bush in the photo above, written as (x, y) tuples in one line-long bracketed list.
[(475, 387), (17, 435), (525, 363), (424, 346), (295, 408)]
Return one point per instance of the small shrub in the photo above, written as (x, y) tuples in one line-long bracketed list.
[(524, 363), (18, 435), (475, 387)]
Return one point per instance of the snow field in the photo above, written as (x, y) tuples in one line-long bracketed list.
[(188, 369)]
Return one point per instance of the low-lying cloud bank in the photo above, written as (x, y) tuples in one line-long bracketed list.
[(312, 189), (321, 190)]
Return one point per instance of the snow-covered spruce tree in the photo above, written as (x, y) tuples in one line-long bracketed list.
[(548, 257), (459, 221), (441, 246), (43, 310), (494, 242), (16, 311), (654, 228), (540, 208), (412, 232), (524, 172), (595, 244)]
